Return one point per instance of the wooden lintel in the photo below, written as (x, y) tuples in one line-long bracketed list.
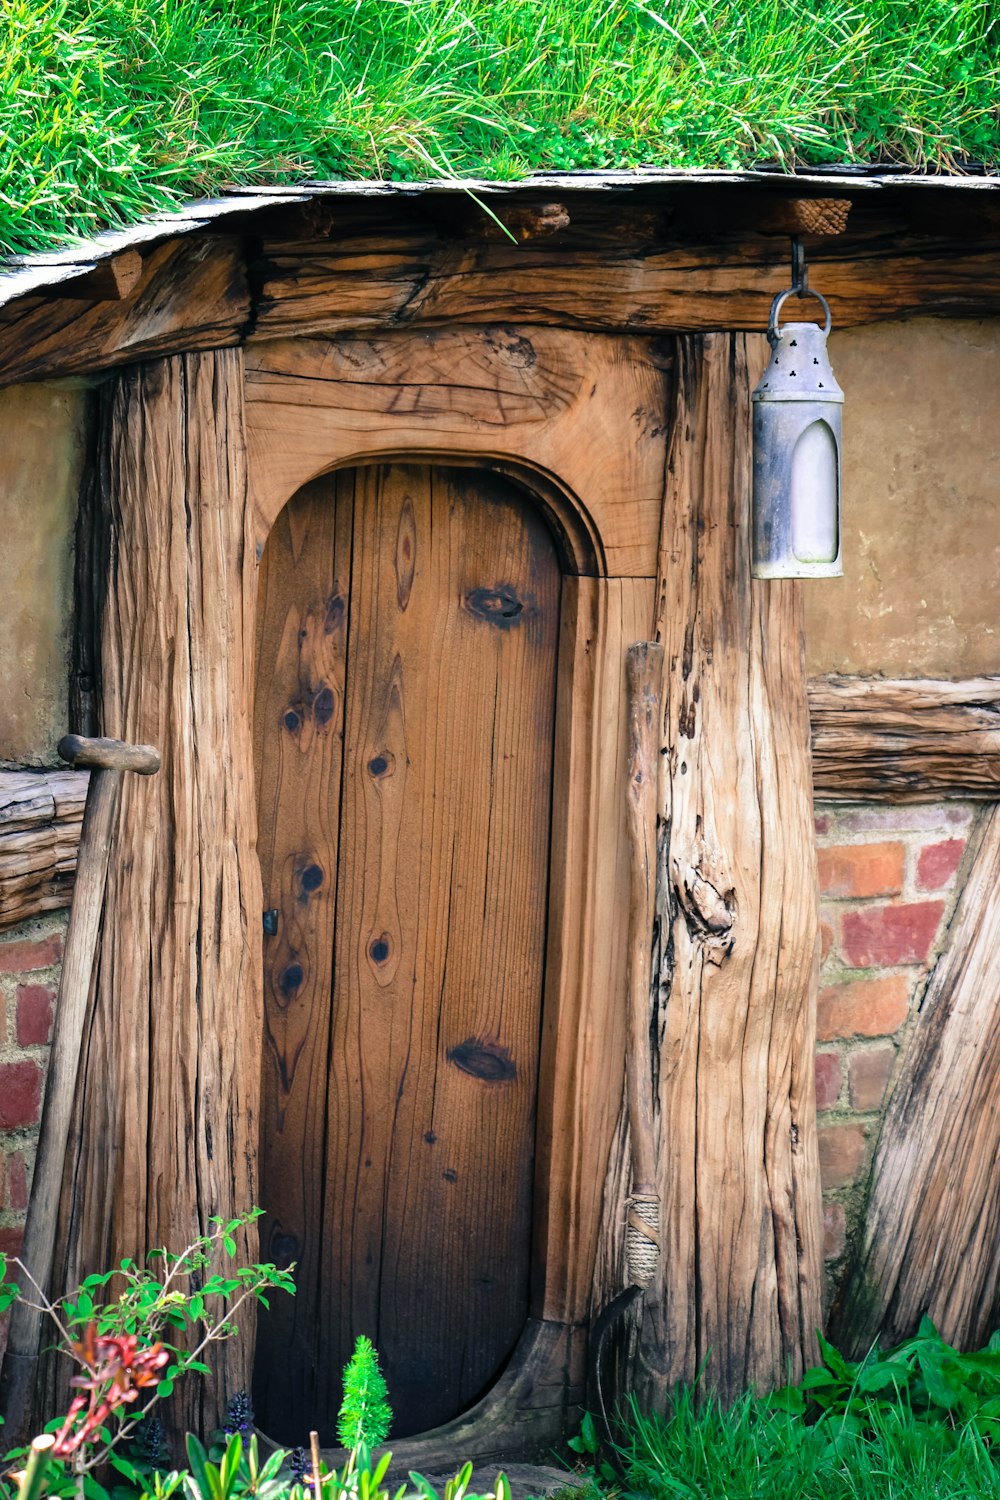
[(363, 284), (111, 280), (881, 740)]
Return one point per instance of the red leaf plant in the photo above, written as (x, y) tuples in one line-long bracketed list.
[(116, 1370)]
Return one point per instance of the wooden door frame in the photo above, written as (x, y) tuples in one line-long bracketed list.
[(581, 1062)]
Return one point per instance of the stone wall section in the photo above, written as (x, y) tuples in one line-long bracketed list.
[(889, 878)]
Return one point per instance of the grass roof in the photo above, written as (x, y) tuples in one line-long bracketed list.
[(112, 108)]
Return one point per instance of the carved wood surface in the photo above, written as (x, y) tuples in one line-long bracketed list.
[(189, 295), (414, 620), (167, 1097), (738, 1288), (349, 284), (931, 1241), (583, 412), (875, 739), (41, 813)]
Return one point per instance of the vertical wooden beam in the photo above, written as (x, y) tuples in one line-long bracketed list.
[(168, 1094), (931, 1240), (738, 1290)]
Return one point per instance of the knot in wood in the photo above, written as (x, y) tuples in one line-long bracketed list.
[(709, 912)]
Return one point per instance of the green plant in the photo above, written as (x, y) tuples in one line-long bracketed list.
[(131, 1350), (113, 108), (365, 1414), (933, 1382)]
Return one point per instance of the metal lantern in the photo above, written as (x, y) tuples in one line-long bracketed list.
[(796, 448)]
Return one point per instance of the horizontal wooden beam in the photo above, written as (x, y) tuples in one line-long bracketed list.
[(41, 813), (883, 740), (190, 294), (873, 740), (365, 282)]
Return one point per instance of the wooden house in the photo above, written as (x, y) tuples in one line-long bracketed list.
[(370, 491)]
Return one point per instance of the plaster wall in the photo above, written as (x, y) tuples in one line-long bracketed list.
[(920, 596), (41, 442)]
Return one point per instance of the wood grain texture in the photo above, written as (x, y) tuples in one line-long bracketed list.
[(931, 1238), (41, 813), (739, 1289), (168, 1092), (877, 739), (302, 621), (584, 412), (189, 295), (436, 933), (688, 284), (584, 1029)]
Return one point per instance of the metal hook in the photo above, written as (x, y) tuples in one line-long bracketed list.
[(800, 271)]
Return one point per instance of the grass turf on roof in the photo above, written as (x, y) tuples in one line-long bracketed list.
[(112, 108)]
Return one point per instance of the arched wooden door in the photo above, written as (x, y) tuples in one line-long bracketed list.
[(406, 650)]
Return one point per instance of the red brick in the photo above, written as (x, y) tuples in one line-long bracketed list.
[(825, 940), (30, 953), (878, 936), (868, 1075), (834, 1230), (862, 1007), (822, 823), (854, 870), (828, 1079), (17, 1177), (841, 1154), (20, 1094), (938, 863), (11, 1241), (34, 1014)]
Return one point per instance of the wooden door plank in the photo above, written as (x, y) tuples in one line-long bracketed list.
[(583, 1039), (440, 932), (298, 740), (584, 411), (931, 1241)]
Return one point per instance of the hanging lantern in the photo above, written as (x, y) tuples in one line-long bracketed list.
[(796, 448)]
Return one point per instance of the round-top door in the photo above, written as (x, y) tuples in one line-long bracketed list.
[(405, 698)]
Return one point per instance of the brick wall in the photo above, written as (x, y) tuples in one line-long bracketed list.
[(888, 882), (29, 969)]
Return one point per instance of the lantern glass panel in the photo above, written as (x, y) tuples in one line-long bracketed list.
[(813, 495)]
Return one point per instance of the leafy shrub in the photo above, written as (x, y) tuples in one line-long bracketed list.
[(930, 1380)]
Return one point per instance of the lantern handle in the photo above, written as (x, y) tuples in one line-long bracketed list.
[(782, 298)]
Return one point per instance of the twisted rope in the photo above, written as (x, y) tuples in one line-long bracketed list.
[(642, 1237)]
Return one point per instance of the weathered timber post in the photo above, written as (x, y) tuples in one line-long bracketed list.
[(167, 1107), (738, 1289)]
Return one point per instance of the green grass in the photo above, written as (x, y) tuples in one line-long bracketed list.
[(110, 108), (751, 1454)]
